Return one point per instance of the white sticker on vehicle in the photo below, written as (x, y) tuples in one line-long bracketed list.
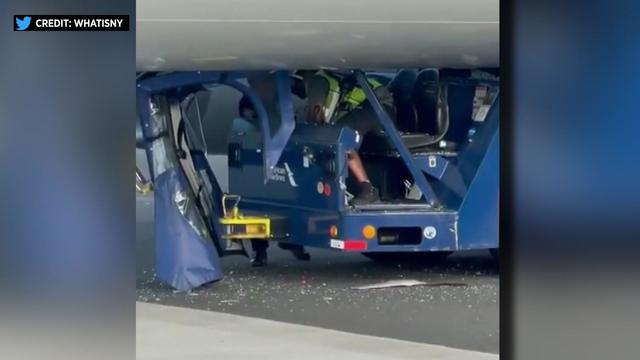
[(482, 102), (432, 161), (282, 174), (337, 244), (482, 113)]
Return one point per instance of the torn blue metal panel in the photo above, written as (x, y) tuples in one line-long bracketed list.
[(187, 252), (185, 255), (280, 139), (273, 145), (186, 82), (210, 189)]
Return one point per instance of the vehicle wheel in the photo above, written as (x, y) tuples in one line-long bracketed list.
[(427, 257)]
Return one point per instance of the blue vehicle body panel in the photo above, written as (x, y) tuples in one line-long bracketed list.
[(296, 180), (444, 223), (479, 212), (184, 257), (466, 185)]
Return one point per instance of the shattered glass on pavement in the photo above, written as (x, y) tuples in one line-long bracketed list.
[(320, 293)]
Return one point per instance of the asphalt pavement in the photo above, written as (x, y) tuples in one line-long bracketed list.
[(320, 293), (170, 332)]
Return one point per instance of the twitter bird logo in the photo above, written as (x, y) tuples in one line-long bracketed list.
[(24, 23)]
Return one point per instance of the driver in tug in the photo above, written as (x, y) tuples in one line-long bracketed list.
[(331, 99)]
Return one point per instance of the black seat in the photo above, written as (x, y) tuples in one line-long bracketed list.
[(425, 100), (416, 96), (401, 86)]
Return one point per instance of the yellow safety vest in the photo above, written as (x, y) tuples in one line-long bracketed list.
[(356, 96), (352, 99), (333, 97)]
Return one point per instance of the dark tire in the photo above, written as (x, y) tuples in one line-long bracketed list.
[(429, 257)]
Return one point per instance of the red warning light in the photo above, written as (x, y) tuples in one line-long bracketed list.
[(327, 189)]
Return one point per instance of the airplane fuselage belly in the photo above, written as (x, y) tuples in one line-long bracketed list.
[(272, 34)]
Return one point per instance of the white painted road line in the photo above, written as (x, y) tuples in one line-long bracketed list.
[(167, 332)]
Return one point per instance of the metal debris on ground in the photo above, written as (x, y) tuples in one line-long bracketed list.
[(229, 301), (404, 283)]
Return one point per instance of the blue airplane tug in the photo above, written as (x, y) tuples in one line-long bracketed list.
[(435, 163)]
